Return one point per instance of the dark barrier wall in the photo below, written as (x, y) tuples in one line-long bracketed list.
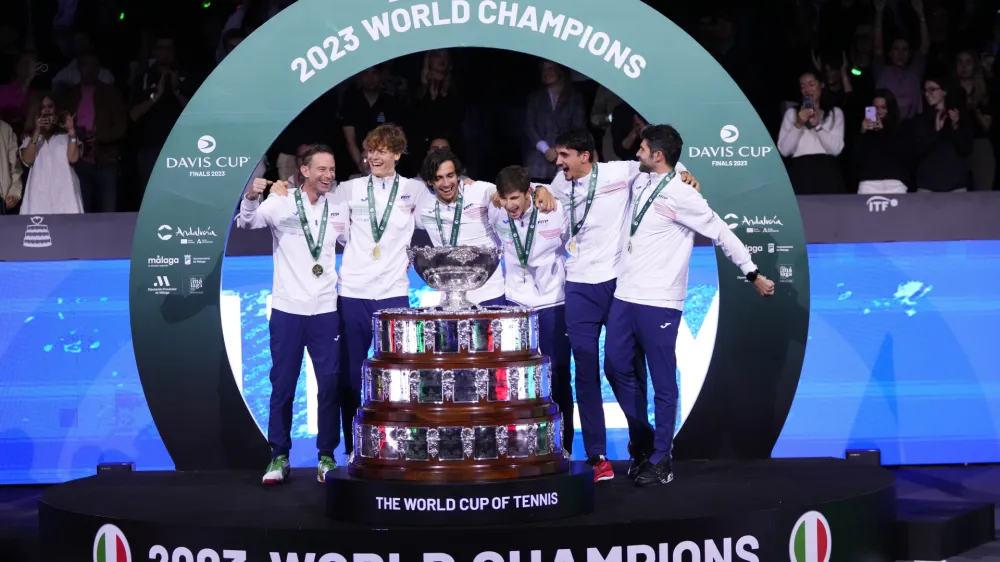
[(828, 219)]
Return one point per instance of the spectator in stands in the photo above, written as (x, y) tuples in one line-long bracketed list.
[(862, 56), (50, 149), (15, 96), (882, 153), (942, 137), (231, 39), (365, 107), (70, 75), (158, 98), (10, 170), (101, 122), (626, 125), (552, 110), (902, 72), (438, 106), (601, 118), (811, 138), (970, 77), (438, 143)]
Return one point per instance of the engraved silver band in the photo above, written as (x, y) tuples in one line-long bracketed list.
[(458, 443), (425, 335), (523, 381)]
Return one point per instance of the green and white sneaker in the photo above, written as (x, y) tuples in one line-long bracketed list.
[(277, 470), (326, 464)]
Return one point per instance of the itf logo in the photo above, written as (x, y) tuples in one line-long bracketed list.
[(811, 540), (729, 134), (206, 144), (880, 204), (110, 545)]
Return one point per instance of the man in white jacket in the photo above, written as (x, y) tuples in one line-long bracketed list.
[(664, 215)]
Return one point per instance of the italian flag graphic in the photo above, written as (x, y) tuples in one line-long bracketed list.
[(110, 545), (810, 540)]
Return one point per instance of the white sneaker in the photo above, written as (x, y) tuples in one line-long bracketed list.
[(278, 470), (350, 458)]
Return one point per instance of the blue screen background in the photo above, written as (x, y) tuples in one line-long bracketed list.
[(901, 357)]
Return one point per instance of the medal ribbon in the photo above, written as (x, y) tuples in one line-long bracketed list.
[(378, 228), (315, 247), (591, 190), (529, 238), (637, 217), (456, 221)]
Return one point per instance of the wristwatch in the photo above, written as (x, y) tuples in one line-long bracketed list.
[(752, 276)]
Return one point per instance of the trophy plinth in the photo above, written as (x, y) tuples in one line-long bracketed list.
[(457, 392)]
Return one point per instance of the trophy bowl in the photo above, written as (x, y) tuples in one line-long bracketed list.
[(454, 270)]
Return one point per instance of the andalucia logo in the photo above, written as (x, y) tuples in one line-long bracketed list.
[(811, 541), (110, 545)]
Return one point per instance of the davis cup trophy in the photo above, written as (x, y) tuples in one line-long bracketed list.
[(457, 392)]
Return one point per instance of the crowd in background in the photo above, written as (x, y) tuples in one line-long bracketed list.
[(869, 96)]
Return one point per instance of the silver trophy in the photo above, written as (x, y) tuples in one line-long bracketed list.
[(455, 270)]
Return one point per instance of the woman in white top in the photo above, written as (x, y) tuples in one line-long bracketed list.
[(811, 139), (50, 149)]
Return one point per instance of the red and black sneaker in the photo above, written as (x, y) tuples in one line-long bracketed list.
[(602, 468)]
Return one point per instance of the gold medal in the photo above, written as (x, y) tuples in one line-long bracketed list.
[(572, 245), (377, 253), (317, 270)]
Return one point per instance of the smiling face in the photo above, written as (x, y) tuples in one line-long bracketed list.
[(573, 163), (810, 86), (516, 203), (319, 172), (934, 94), (382, 162), (446, 182), (647, 158), (881, 108)]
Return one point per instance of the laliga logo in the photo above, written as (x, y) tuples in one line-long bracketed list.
[(206, 144), (110, 545), (729, 134)]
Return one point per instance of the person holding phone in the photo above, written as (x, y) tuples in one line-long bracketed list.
[(811, 138), (883, 152), (50, 149)]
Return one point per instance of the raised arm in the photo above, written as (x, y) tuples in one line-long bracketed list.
[(831, 133), (253, 213)]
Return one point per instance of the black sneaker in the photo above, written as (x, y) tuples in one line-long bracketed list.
[(655, 474), (636, 460)]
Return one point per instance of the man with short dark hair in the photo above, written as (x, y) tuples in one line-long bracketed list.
[(649, 298), (596, 198), (534, 245), (304, 303)]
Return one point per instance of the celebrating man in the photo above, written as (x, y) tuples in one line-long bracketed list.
[(373, 276), (303, 305), (457, 215), (534, 253), (649, 298), (596, 197)]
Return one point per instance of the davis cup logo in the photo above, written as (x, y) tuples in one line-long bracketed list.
[(811, 540), (110, 545), (729, 134), (206, 144)]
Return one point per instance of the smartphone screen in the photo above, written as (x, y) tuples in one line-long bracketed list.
[(871, 114), (807, 102)]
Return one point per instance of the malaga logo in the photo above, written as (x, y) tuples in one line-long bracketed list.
[(110, 545), (811, 540)]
